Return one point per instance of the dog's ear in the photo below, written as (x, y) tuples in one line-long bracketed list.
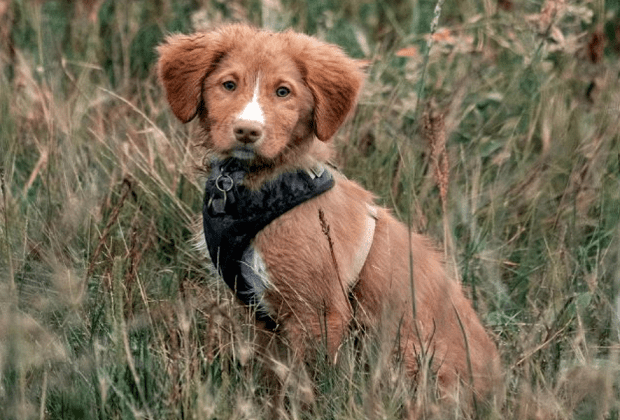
[(185, 61), (334, 79)]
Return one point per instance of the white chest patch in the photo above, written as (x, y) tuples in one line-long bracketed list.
[(254, 272), (253, 110)]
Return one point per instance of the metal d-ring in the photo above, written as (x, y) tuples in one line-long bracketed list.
[(224, 183), (217, 205)]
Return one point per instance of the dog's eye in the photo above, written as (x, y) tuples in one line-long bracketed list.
[(229, 85), (282, 91)]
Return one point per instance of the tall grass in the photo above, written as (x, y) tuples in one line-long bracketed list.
[(107, 310)]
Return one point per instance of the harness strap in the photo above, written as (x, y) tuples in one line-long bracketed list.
[(254, 271), (362, 253)]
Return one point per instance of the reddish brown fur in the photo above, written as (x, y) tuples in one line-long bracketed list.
[(307, 294)]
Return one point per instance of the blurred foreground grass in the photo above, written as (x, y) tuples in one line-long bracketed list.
[(107, 311)]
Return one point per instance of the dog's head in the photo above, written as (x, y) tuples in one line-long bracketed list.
[(258, 93)]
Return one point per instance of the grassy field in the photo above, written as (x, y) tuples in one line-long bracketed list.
[(501, 142)]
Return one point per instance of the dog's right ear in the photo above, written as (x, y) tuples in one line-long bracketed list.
[(184, 62)]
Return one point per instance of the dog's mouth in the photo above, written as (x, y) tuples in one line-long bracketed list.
[(244, 153)]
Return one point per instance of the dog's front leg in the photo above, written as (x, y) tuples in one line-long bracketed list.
[(315, 326)]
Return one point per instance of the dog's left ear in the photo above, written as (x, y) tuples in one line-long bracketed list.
[(334, 79)]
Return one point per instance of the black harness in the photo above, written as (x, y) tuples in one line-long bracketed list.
[(234, 214)]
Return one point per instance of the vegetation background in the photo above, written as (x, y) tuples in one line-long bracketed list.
[(501, 141)]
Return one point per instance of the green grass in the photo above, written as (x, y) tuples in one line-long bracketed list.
[(108, 312)]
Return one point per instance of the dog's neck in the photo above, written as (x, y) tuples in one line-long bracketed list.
[(305, 155)]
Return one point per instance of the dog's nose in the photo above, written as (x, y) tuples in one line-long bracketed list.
[(248, 131)]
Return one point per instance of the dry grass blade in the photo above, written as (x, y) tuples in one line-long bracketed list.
[(7, 244), (43, 159), (325, 229), (434, 132), (468, 353), (429, 45), (123, 331), (140, 242), (106, 230)]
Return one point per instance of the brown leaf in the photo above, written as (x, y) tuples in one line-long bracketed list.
[(407, 52), (444, 35)]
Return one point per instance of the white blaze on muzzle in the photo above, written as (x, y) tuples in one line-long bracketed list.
[(253, 110)]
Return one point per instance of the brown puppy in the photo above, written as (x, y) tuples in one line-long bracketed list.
[(274, 101)]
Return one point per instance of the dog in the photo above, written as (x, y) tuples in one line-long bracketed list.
[(296, 240)]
